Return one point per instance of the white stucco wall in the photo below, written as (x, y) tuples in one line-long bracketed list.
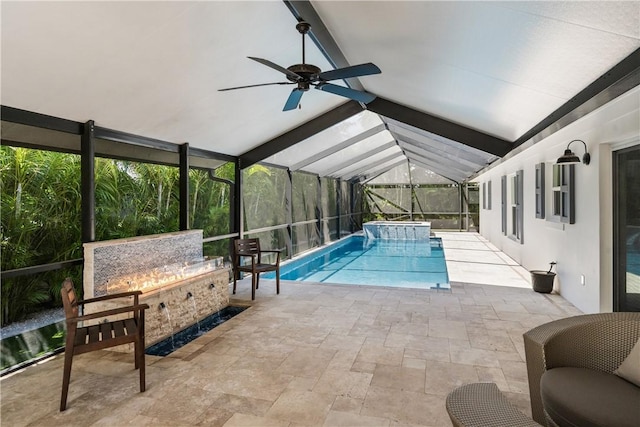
[(583, 248)]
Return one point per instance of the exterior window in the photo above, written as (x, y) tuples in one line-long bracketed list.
[(539, 190), (563, 194)]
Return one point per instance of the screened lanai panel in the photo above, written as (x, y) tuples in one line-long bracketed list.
[(358, 151), (370, 163), (305, 235), (318, 145), (346, 224), (409, 173), (453, 172), (381, 168), (389, 200), (305, 196), (264, 196), (437, 199), (329, 200), (210, 203), (328, 190), (445, 150)]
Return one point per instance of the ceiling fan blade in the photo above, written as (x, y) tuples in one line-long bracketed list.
[(276, 67), (260, 84), (356, 95), (347, 72), (293, 100)]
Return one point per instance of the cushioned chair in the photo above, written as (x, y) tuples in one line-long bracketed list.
[(250, 248), (570, 364), (105, 334)]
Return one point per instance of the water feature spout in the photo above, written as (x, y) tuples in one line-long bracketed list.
[(162, 306), (195, 309)]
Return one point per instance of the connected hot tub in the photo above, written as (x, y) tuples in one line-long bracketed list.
[(397, 230)]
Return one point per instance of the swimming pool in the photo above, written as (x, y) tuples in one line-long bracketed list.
[(358, 261)]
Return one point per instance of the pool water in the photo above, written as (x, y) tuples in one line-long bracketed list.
[(358, 261)]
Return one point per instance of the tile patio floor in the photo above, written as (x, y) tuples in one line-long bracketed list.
[(315, 355)]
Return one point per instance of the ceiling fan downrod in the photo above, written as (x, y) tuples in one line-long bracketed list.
[(303, 28)]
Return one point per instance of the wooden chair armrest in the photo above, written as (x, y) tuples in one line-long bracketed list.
[(274, 251), (99, 314), (112, 296), (247, 254)]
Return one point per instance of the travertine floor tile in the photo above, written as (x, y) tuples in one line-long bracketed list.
[(441, 377), (301, 407), (347, 419), (314, 355), (398, 377)]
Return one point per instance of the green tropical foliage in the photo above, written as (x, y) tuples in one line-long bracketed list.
[(40, 224), (41, 206)]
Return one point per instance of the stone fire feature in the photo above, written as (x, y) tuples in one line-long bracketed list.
[(167, 268)]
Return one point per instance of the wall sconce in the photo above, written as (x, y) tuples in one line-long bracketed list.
[(569, 157)]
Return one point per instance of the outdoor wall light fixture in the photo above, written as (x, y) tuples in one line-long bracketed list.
[(569, 157)]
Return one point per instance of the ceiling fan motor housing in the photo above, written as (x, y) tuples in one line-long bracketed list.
[(308, 72)]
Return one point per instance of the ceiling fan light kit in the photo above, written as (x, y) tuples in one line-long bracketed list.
[(306, 75)]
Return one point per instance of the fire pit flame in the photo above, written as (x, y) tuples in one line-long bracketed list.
[(148, 280)]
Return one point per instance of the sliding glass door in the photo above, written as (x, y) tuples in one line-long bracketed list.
[(626, 191)]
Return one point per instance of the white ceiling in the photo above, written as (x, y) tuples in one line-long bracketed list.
[(154, 69), (497, 67)]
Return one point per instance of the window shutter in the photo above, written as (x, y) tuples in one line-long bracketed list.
[(520, 206), (504, 204), (568, 195), (540, 208)]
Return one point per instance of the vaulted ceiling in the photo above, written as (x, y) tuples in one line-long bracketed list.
[(462, 83)]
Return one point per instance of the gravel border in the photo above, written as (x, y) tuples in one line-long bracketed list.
[(34, 321)]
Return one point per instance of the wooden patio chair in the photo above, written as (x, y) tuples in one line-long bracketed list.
[(251, 248), (83, 339)]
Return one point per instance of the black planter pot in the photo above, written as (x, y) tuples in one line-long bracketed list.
[(542, 281)]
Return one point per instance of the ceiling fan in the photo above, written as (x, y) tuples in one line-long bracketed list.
[(306, 75)]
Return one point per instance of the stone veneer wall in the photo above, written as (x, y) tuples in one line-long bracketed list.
[(181, 310), (111, 260)]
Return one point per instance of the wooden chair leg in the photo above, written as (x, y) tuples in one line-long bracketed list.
[(66, 376), (257, 279), (143, 385), (235, 277), (253, 286), (278, 281), (140, 354)]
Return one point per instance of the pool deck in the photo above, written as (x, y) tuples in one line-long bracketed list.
[(315, 355)]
